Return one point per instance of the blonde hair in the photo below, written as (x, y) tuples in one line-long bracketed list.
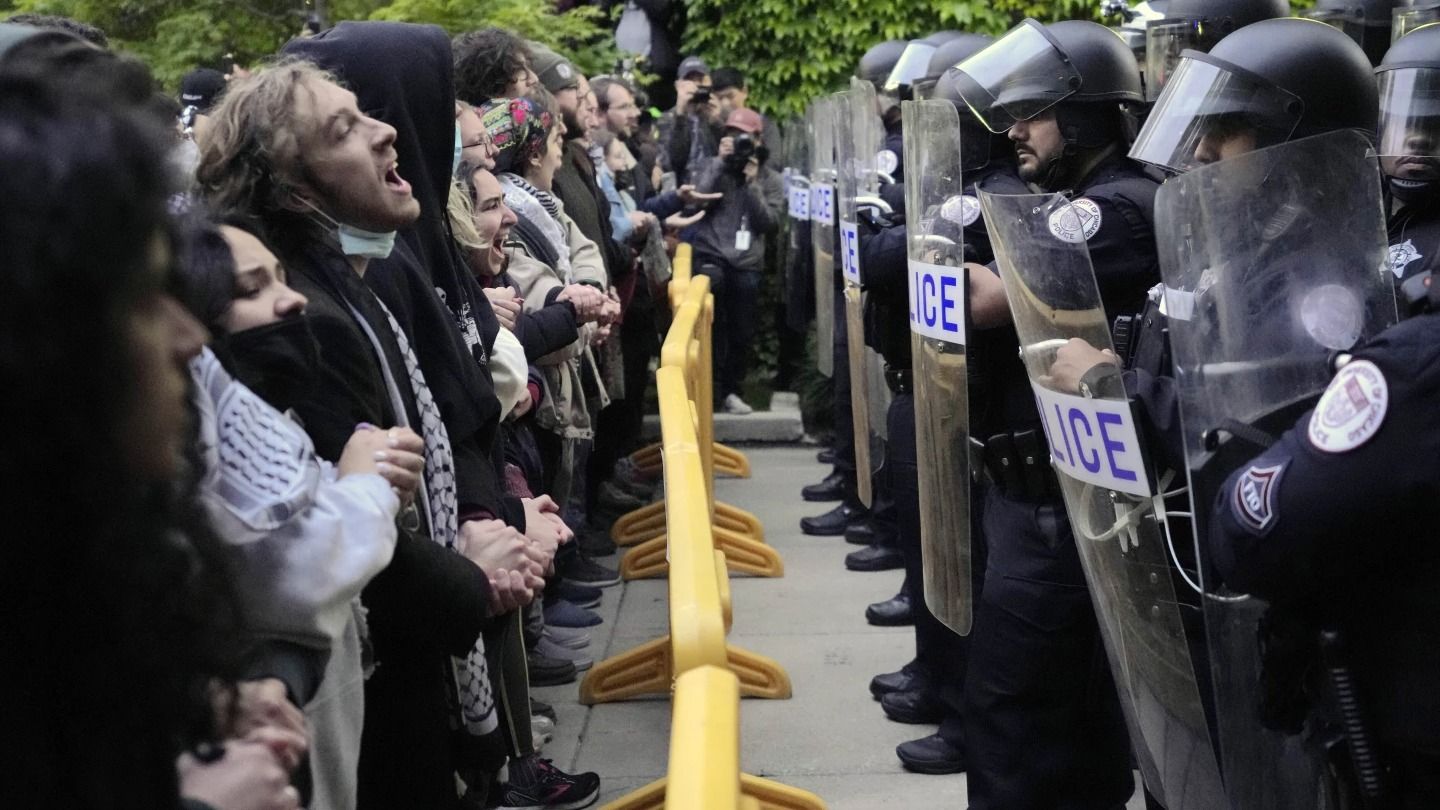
[(461, 209), (250, 161)]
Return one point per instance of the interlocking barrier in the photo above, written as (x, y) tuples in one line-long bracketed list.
[(698, 548), (648, 522)]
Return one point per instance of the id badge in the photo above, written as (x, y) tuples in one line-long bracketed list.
[(742, 240)]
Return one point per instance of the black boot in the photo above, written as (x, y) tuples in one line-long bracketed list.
[(894, 612), (834, 522)]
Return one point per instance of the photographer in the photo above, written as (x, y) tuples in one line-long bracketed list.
[(730, 244), (688, 133)]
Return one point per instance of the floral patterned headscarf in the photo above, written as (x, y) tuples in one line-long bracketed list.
[(518, 127)]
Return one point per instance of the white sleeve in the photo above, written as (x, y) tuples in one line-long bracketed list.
[(302, 577), (300, 543), (510, 371)]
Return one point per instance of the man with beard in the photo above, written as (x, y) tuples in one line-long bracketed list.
[(1043, 725)]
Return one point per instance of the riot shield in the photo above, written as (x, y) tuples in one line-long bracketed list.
[(852, 171), (1269, 268), (823, 115), (936, 210), (873, 165), (1110, 495)]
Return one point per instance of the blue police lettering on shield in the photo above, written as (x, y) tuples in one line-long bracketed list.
[(1093, 440), (1253, 502), (937, 301)]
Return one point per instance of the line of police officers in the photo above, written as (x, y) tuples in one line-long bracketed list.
[(1161, 449)]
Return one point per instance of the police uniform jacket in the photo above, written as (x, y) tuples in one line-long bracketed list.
[(1338, 519)]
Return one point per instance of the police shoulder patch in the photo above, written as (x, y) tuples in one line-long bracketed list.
[(961, 209), (1253, 501), (1351, 410), (1402, 255), (1076, 222)]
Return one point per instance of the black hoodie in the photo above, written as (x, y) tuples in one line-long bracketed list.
[(402, 74)]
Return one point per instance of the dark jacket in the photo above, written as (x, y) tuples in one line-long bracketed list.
[(429, 603), (575, 185), (758, 205), (403, 74)]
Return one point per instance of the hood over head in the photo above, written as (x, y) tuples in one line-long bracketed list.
[(403, 74)]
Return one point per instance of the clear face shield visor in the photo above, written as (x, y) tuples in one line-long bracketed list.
[(914, 64), (1409, 143), (1165, 40), (1018, 77), (1210, 111), (1408, 19)]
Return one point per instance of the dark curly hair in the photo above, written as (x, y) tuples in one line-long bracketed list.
[(117, 625), (85, 31), (486, 62)]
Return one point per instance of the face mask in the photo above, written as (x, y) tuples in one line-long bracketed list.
[(370, 245), (459, 145), (1411, 192), (279, 361), (356, 241)]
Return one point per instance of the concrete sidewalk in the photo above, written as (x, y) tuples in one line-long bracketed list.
[(831, 737)]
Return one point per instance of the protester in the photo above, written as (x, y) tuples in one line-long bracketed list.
[(122, 567)]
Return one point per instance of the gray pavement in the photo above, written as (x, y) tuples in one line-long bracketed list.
[(830, 738)]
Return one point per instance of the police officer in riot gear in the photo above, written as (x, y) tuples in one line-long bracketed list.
[(1268, 83), (1409, 149), (931, 687), (1297, 525), (1043, 725), (946, 55), (1198, 25), (875, 67), (1368, 22)]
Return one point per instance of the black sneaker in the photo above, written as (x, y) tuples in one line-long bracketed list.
[(585, 596), (546, 671), (596, 543), (586, 571), (550, 788)]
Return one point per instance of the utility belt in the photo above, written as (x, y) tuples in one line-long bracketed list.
[(1018, 463), (900, 380)]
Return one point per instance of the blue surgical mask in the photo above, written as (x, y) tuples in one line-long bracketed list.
[(356, 241), (459, 145), (371, 245)]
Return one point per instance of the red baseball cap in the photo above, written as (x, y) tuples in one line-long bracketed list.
[(745, 121)]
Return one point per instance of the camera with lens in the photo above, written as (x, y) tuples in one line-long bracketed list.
[(744, 148), (744, 145), (702, 96)]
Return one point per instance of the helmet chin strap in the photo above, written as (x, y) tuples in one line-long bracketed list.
[(1413, 192)]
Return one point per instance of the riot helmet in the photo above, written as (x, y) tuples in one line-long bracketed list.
[(947, 55), (1133, 21), (876, 64), (1198, 25), (1409, 16), (979, 147), (1081, 69), (1268, 83), (914, 63), (1409, 132), (1365, 21)]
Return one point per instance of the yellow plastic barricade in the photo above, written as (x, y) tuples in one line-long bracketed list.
[(698, 587), (736, 532), (704, 771), (648, 522)]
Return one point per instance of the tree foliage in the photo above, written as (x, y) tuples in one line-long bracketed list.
[(174, 36), (795, 50)]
